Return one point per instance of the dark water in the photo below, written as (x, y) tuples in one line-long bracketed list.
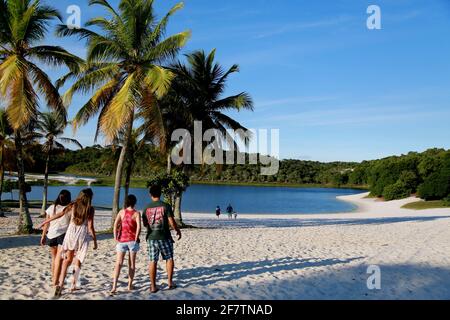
[(205, 198)]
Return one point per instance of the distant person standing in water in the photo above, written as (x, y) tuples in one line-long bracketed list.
[(157, 218), (230, 211), (53, 234), (218, 212)]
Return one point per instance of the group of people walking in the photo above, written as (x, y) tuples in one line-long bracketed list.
[(69, 229)]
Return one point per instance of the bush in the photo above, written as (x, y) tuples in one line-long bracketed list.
[(410, 180), (447, 201), (436, 186), (171, 184), (398, 190), (377, 189)]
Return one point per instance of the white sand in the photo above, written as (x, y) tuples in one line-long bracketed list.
[(269, 257), (67, 179)]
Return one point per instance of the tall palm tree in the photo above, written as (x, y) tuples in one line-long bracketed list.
[(124, 67), (196, 95), (6, 148), (51, 126), (23, 25), (135, 144)]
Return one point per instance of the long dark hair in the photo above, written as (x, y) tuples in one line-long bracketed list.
[(64, 199), (82, 206)]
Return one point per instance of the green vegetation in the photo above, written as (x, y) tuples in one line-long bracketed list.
[(427, 174), (392, 178), (173, 185), (423, 205)]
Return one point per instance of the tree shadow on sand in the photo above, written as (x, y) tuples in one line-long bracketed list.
[(209, 275), (11, 242), (402, 281)]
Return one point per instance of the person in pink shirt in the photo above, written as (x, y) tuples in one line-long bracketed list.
[(127, 228)]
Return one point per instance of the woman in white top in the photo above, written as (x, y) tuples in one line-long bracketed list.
[(79, 234), (53, 234)]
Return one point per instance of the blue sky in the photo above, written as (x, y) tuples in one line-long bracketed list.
[(336, 90)]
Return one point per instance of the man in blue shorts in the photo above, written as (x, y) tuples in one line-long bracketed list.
[(157, 218)]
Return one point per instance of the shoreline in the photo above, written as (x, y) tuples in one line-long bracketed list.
[(73, 179), (365, 208)]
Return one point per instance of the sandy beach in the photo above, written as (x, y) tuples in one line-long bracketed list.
[(320, 256)]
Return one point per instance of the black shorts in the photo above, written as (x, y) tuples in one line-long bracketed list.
[(58, 241)]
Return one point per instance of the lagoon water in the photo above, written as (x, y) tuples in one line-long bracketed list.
[(244, 199)]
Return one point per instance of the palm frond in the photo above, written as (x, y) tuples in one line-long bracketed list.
[(120, 108), (71, 141), (99, 100), (237, 102), (92, 79), (48, 90), (158, 80), (23, 103), (56, 56)]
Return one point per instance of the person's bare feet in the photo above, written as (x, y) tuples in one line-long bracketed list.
[(154, 289), (172, 286), (58, 291)]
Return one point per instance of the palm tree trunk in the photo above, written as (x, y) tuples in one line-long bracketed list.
[(44, 196), (177, 210), (169, 163), (2, 178), (119, 172), (25, 223), (128, 172), (117, 184)]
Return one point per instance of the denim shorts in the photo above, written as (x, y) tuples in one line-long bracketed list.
[(131, 246)]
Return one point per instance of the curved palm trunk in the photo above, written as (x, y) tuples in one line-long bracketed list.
[(45, 192), (119, 172), (117, 184), (25, 223)]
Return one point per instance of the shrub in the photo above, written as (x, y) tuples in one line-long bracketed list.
[(398, 190), (171, 184), (447, 201), (410, 180), (436, 186)]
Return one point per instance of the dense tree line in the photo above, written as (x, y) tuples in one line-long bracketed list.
[(426, 174), (100, 161)]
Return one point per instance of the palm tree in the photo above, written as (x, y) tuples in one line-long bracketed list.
[(23, 25), (124, 67), (51, 126), (135, 144), (6, 148), (196, 95)]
